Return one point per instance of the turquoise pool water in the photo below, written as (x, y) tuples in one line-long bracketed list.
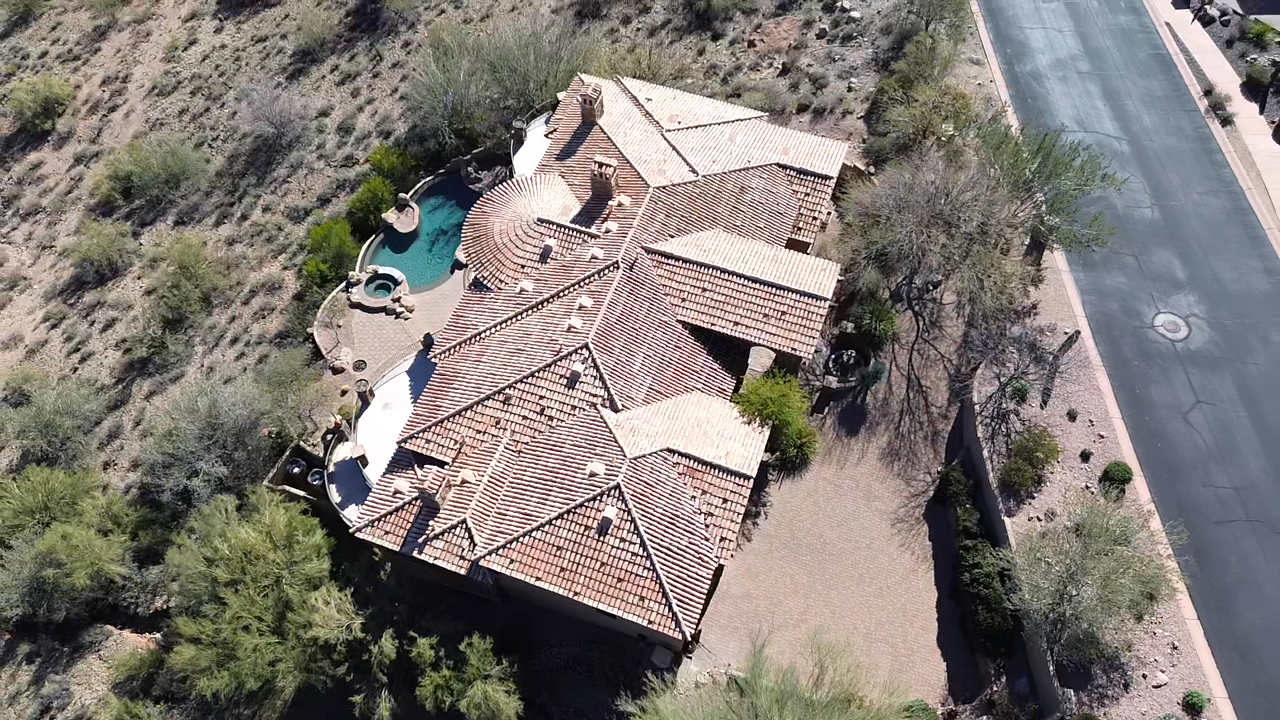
[(425, 255)]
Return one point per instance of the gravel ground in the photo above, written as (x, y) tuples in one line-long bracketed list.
[(1164, 645), (1238, 53)]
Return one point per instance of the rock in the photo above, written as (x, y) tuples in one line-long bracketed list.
[(851, 86), (1102, 435), (408, 303), (1225, 20), (823, 32), (390, 309), (1208, 16), (341, 362), (1159, 680), (1173, 644), (844, 6), (753, 42), (855, 16)]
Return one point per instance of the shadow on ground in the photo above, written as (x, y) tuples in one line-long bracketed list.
[(964, 684)]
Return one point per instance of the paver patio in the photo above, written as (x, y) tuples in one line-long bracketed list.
[(844, 553)]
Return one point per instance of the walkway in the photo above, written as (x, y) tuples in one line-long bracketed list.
[(844, 554), (1201, 412)]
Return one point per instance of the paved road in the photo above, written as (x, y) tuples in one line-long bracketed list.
[(1204, 413)]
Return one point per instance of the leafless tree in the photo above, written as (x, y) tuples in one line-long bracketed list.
[(274, 116)]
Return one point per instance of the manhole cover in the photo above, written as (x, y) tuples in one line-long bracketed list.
[(1171, 326)]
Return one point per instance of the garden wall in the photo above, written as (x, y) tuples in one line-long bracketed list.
[(966, 451)]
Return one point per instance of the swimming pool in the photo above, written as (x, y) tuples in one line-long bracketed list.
[(425, 255)]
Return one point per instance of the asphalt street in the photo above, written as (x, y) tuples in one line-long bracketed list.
[(1203, 412)]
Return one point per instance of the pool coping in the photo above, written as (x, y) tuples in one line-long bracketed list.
[(413, 194)]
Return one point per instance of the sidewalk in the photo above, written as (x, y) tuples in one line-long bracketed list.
[(1252, 127)]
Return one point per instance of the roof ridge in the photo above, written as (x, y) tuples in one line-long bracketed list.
[(522, 312), (595, 360), (477, 400), (397, 506), (648, 551), (657, 126), (488, 471), (544, 220), (672, 254), (535, 525)]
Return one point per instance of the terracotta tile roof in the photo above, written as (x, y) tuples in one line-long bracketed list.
[(673, 109), (581, 380), (613, 570), (720, 148), (720, 495), (701, 426), (754, 260), (741, 307)]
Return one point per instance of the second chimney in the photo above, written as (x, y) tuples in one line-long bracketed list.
[(591, 103), (604, 177)]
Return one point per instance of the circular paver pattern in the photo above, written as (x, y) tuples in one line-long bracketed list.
[(1171, 326)]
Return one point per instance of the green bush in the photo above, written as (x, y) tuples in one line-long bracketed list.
[(396, 166), (364, 211), (927, 114), (919, 710), (1257, 78), (1085, 716), (59, 575), (150, 172), (877, 322), (1019, 391), (1220, 106), (101, 252), (114, 708), (257, 617), (983, 574), (778, 400), (1116, 476), (50, 421), (711, 13), (1037, 447), (331, 255), (1257, 33), (40, 497), (480, 687), (37, 102), (1195, 702), (106, 9), (1020, 478)]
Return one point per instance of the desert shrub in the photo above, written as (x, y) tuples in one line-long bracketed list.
[(182, 294), (778, 400), (1019, 478), (317, 27), (824, 688), (1257, 78), (918, 710), (1194, 703), (1257, 33), (13, 12), (480, 686), (273, 116), (209, 441), (50, 421), (927, 114), (395, 165), (1087, 580), (1220, 106), (470, 88), (106, 9), (1019, 391), (707, 14), (877, 322), (37, 102), (256, 616), (288, 383), (59, 575), (1086, 454), (642, 61), (39, 497), (114, 708), (765, 95), (364, 211), (149, 172), (101, 252), (331, 254), (1116, 476)]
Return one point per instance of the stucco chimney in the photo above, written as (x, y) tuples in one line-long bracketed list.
[(591, 103), (604, 177)]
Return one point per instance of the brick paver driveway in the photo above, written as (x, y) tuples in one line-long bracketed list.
[(845, 553)]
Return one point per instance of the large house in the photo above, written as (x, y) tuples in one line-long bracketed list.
[(576, 444)]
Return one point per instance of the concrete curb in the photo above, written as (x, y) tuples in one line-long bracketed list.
[(1217, 688)]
